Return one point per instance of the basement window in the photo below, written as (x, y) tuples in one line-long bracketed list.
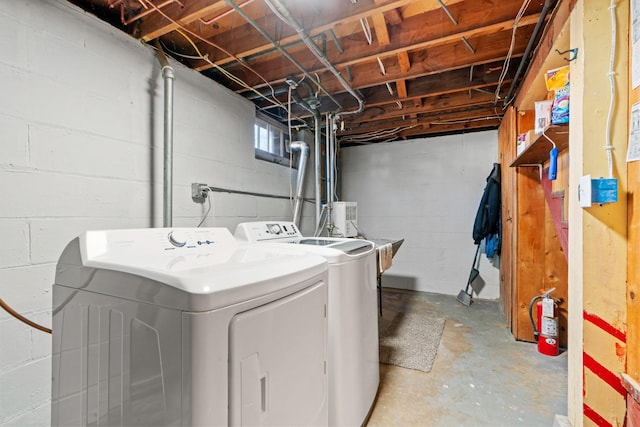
[(271, 140)]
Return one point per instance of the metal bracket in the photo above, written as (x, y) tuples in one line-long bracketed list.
[(572, 57)]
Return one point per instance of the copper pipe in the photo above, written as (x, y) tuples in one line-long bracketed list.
[(21, 318), (148, 11), (115, 3), (223, 14)]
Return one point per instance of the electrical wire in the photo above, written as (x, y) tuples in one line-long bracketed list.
[(21, 318), (366, 29), (507, 61), (208, 194), (375, 135), (477, 119), (220, 48), (226, 73), (612, 84)]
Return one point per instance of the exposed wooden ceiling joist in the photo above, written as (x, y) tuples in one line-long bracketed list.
[(419, 72)]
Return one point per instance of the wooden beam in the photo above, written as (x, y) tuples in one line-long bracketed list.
[(401, 88), (424, 129), (428, 56), (453, 128), (403, 61), (382, 33), (414, 34), (478, 114), (434, 104), (434, 63), (156, 25), (244, 41), (393, 17), (418, 8), (429, 87)]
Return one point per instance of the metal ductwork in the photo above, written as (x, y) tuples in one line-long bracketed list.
[(311, 105), (303, 148)]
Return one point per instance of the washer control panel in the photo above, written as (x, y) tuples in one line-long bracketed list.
[(262, 231)]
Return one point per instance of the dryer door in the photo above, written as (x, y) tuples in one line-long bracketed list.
[(277, 362)]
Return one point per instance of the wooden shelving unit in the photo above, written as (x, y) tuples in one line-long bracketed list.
[(532, 254), (537, 152)]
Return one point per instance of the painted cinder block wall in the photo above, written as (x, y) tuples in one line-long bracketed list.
[(81, 148), (425, 191)]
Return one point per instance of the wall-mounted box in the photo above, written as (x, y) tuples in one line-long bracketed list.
[(599, 191)]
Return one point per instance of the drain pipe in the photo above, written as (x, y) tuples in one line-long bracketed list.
[(303, 148), (168, 76)]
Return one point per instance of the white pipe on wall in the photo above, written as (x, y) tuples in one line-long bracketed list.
[(167, 211), (168, 76)]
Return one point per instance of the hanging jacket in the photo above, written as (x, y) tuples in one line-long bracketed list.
[(487, 220)]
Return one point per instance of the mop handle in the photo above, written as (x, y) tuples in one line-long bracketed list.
[(475, 258)]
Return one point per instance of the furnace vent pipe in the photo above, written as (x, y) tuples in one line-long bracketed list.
[(168, 76), (303, 148), (317, 119)]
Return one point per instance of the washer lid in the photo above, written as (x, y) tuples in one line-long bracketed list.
[(206, 264), (350, 246)]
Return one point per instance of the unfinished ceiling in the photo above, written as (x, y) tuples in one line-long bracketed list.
[(406, 68)]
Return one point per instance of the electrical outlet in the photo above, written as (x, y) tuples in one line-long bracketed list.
[(199, 192)]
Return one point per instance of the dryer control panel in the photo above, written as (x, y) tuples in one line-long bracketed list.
[(107, 244), (264, 231)]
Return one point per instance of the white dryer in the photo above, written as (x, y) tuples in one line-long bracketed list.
[(187, 327), (352, 364)]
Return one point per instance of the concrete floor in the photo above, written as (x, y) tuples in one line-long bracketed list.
[(481, 376)]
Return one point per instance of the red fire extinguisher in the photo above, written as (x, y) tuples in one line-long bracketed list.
[(547, 333)]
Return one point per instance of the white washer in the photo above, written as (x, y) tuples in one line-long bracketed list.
[(354, 372), (188, 327)]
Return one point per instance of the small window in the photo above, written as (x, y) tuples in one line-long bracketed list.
[(271, 140)]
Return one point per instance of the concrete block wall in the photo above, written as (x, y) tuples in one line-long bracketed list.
[(81, 148), (425, 191)]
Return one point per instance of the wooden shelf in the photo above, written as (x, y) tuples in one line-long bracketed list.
[(537, 152)]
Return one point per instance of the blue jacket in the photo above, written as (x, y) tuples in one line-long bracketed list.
[(487, 220)]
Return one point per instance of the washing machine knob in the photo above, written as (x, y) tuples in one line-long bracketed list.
[(177, 239)]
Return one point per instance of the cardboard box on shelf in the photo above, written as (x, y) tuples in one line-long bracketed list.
[(524, 139), (543, 115)]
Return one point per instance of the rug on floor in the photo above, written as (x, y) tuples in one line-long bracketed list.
[(409, 340)]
